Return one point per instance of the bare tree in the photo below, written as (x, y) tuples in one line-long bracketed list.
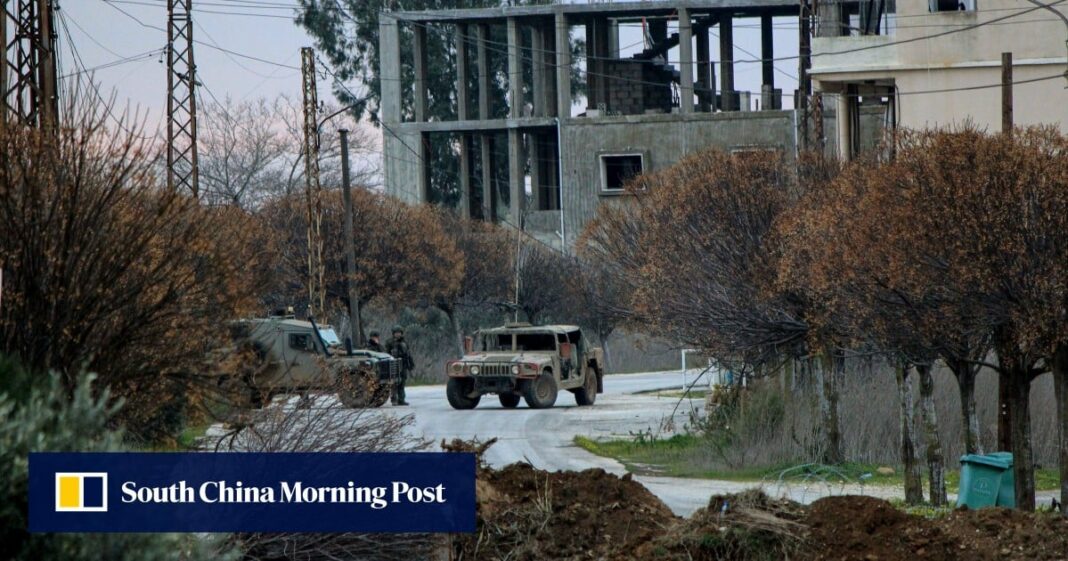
[(106, 269), (252, 151), (321, 423), (487, 272)]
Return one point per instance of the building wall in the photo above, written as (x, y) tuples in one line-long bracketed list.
[(963, 59), (663, 139), (637, 86), (401, 165)]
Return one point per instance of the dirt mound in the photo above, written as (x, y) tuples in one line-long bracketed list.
[(529, 515), (1003, 534), (864, 528), (748, 526)]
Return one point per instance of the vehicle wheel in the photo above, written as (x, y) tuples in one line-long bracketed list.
[(540, 393), (587, 394), (458, 390), (509, 400)]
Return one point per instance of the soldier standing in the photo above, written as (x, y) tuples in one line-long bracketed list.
[(373, 343), (399, 349)]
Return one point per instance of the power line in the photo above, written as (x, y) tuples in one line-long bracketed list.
[(197, 41), (80, 64)]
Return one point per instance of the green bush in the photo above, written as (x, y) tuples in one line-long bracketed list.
[(38, 415)]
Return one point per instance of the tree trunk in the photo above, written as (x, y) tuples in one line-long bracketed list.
[(361, 327), (1004, 414), (965, 373), (1023, 463), (604, 348), (936, 468), (454, 321), (827, 375), (1059, 365), (911, 468)]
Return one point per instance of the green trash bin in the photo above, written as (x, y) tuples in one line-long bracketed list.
[(984, 480), (1007, 493)]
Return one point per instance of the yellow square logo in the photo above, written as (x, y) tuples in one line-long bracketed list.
[(82, 492)]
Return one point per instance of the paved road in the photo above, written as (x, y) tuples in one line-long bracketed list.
[(544, 437)]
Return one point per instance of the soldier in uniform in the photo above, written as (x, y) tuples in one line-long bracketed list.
[(399, 349), (374, 344)]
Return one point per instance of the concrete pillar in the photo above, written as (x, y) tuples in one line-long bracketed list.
[(516, 177), (389, 69), (483, 72), (423, 176), (515, 69), (537, 44), (767, 50), (463, 93), (685, 61), (465, 175), (549, 59), (831, 21), (489, 192), (537, 178), (563, 66), (613, 38), (706, 86), (843, 123), (593, 75), (726, 55), (603, 50), (419, 55)]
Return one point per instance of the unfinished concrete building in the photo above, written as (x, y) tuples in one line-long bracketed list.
[(642, 110)]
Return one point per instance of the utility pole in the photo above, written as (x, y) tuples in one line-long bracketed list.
[(28, 77), (355, 329), (182, 168), (1006, 93), (804, 62), (1005, 386), (313, 190)]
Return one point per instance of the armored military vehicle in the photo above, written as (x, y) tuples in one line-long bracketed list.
[(532, 362), (281, 354)]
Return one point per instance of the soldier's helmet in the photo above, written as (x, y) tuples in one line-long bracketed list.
[(373, 334), (397, 329)]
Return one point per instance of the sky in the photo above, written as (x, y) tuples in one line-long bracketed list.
[(103, 32)]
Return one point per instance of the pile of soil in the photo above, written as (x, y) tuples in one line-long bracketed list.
[(526, 514), (747, 526), (869, 529), (866, 528)]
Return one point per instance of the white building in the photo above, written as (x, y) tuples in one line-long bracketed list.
[(939, 62)]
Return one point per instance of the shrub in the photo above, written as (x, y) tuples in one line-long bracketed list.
[(37, 414)]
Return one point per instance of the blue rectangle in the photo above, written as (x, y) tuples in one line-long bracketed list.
[(93, 491), (296, 492)]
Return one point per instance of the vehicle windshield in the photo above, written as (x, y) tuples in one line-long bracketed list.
[(535, 342), (497, 342), (329, 336)]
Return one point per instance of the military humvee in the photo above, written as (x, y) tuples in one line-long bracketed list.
[(281, 354), (521, 360)]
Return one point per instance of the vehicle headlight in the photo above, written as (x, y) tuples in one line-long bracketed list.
[(474, 369), (515, 369)]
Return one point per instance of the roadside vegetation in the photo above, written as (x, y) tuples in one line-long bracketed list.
[(762, 438), (945, 251)]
